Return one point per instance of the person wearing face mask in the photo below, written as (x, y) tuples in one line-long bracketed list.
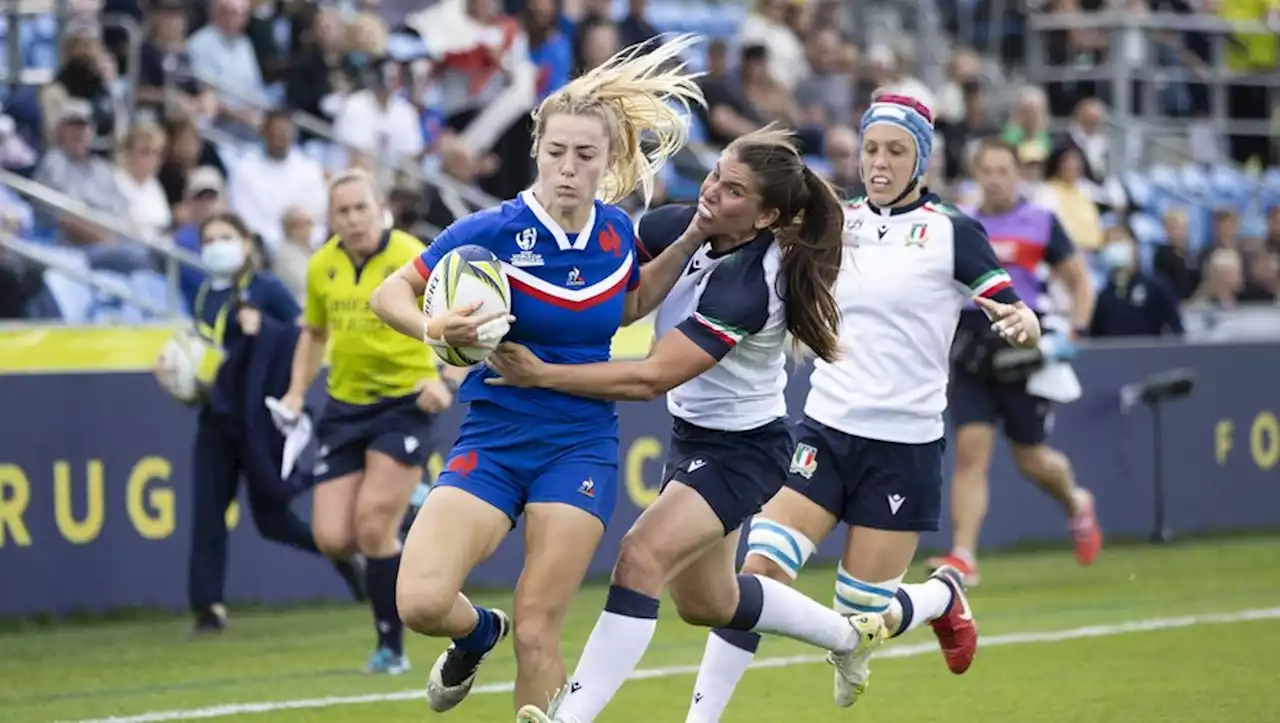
[(249, 320), (1133, 303)]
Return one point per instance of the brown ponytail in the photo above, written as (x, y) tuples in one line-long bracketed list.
[(809, 232), (811, 254)]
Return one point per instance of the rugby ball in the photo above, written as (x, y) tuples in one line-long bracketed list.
[(466, 275), (183, 356)]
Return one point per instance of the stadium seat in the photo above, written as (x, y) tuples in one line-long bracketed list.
[(1195, 182), (1147, 229), (1141, 193), (152, 288), (1230, 186), (73, 298), (1165, 179)]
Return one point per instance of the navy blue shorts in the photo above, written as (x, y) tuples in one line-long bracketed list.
[(735, 472), (869, 482), (395, 427), (972, 399), (511, 460)]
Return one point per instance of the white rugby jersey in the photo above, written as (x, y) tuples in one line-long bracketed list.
[(906, 275), (730, 305)]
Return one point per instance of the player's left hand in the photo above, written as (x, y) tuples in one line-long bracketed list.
[(433, 396), (1015, 324), (516, 366)]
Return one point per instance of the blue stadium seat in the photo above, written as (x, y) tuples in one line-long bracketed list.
[(1271, 187), (1147, 229), (1165, 179), (1141, 191), (73, 298), (151, 287), (1194, 181)]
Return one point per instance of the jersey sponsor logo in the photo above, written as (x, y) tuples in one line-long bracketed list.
[(805, 461), (610, 241), (895, 503), (525, 241), (575, 278), (463, 464)]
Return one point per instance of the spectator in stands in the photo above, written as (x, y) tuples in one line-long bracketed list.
[(766, 26), (1273, 228), (1262, 278), (185, 152), (15, 153), (378, 123), (1226, 233), (550, 48), (1087, 131), (728, 114), (204, 198), (289, 262), (88, 74), (1223, 279), (71, 169), (138, 163), (266, 182), (261, 31), (826, 95), (962, 136), (165, 82), (891, 70), (842, 159), (487, 84), (323, 72), (597, 42), (1132, 303), (221, 52), (965, 69), (1067, 197), (1174, 261), (16, 215), (1029, 119), (771, 100), (634, 28)]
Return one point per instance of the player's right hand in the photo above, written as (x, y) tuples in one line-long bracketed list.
[(462, 327)]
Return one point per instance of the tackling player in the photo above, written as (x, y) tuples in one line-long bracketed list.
[(548, 456), (1026, 238), (720, 357), (373, 433), (870, 446)]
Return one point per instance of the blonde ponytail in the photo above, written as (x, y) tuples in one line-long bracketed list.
[(635, 93)]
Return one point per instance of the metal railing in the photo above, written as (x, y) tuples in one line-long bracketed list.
[(42, 256), (173, 256)]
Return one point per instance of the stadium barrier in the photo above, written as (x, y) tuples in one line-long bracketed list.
[(94, 471)]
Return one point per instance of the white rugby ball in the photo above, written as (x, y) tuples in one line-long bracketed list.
[(467, 275), (182, 356)]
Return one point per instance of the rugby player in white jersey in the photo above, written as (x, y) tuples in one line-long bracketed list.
[(870, 446), (774, 254)]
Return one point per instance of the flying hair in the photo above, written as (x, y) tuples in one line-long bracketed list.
[(643, 94)]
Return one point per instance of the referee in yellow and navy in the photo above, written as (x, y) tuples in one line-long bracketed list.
[(383, 389)]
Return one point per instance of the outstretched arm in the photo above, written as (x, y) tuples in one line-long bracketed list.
[(659, 275)]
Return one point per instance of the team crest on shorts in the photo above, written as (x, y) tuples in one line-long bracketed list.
[(805, 461)]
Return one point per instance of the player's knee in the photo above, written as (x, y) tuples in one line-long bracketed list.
[(638, 566), (377, 523), (854, 596), (334, 541), (776, 551), (536, 634), (1034, 461), (705, 610), (424, 603)]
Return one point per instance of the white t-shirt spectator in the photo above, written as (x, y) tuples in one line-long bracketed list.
[(392, 132), (148, 205), (262, 188)]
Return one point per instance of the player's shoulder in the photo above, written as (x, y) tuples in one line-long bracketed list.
[(615, 216), (662, 225), (475, 227), (964, 228)]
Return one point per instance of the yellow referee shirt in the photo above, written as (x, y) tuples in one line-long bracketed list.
[(368, 360)]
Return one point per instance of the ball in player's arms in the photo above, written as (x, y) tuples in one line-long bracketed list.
[(470, 277)]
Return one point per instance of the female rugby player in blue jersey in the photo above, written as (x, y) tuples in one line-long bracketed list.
[(720, 357), (548, 456)]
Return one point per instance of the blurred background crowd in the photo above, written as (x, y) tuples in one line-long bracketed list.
[(1152, 125)]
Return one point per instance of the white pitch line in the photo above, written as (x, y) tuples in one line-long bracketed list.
[(896, 651)]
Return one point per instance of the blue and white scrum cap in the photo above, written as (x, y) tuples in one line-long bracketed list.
[(910, 115)]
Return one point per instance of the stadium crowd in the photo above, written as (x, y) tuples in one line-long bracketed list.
[(210, 124)]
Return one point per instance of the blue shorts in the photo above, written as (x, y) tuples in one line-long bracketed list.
[(511, 461), (735, 472), (869, 482), (395, 427), (973, 399)]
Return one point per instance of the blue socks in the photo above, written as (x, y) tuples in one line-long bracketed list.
[(481, 637)]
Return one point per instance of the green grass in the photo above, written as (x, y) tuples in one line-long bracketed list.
[(1210, 673)]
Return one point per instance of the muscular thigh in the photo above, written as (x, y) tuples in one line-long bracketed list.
[(560, 541), (385, 489), (452, 533)]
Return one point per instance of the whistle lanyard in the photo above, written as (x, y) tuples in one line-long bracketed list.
[(216, 333)]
